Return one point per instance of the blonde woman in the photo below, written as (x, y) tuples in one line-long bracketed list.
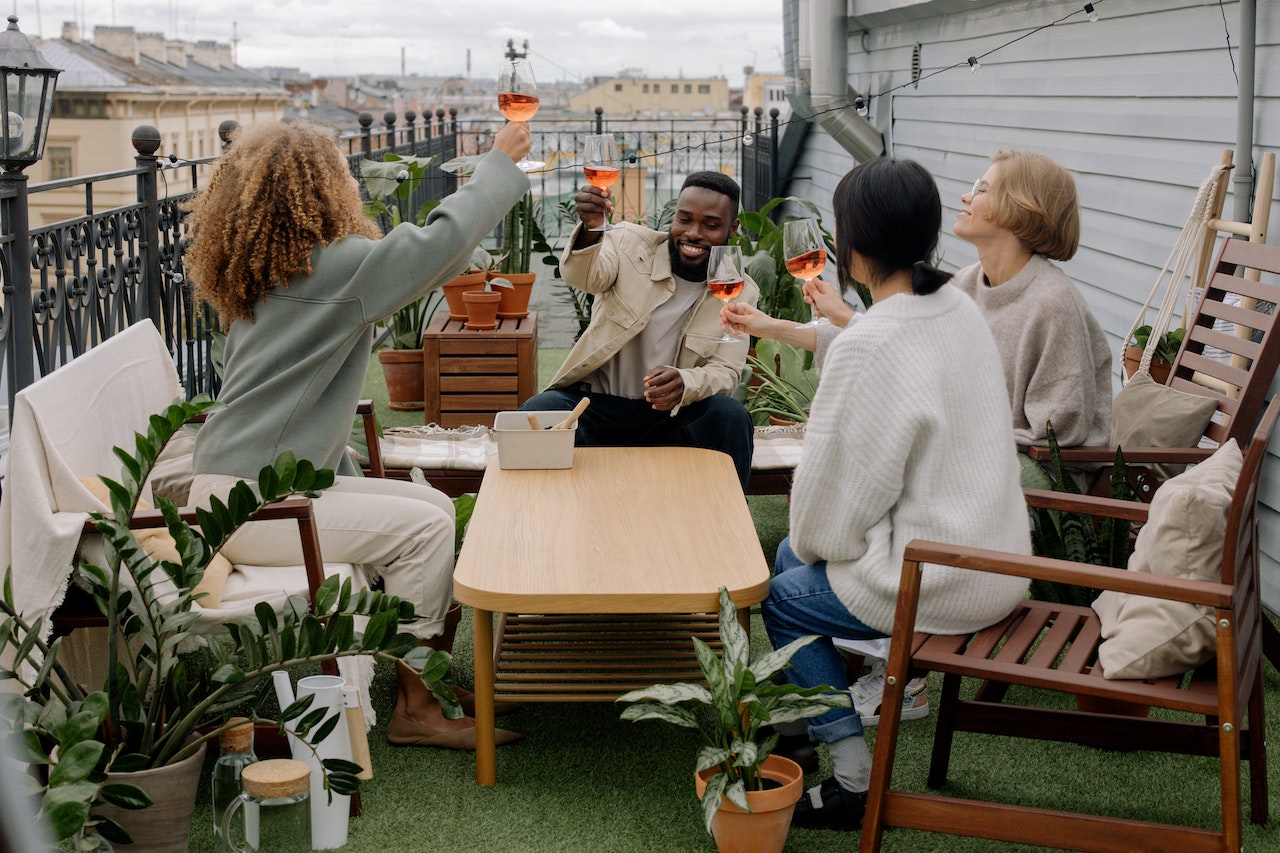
[(281, 248), (1022, 215)]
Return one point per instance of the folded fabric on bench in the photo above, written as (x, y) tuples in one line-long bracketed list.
[(433, 447)]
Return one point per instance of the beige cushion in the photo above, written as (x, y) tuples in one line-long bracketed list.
[(157, 542), (1148, 414), (1183, 537)]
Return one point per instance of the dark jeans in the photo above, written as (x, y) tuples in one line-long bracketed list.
[(716, 423)]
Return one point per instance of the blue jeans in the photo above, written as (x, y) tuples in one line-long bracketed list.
[(716, 423), (800, 603)]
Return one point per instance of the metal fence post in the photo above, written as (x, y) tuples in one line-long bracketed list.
[(366, 143), (773, 152), (146, 141), (410, 132), (17, 282)]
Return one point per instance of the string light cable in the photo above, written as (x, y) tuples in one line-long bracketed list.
[(860, 104)]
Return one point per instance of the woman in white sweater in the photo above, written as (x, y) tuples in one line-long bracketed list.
[(909, 438)]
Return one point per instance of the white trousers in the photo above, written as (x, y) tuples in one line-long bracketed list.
[(400, 531)]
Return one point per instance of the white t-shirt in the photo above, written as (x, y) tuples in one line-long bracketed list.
[(655, 346)]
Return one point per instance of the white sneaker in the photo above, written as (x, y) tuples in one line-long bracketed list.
[(868, 693)]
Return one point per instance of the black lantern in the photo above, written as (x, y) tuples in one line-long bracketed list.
[(27, 83)]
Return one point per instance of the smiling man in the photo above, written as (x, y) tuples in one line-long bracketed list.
[(650, 360)]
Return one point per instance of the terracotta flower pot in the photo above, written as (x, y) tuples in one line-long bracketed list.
[(764, 828), (165, 825), (515, 299), (453, 291), (403, 371), (482, 309), (1159, 367)]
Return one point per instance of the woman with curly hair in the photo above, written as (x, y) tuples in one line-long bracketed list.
[(280, 246)]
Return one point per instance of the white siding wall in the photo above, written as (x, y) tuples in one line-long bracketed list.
[(1138, 106)]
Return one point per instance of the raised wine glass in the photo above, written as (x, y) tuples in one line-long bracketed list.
[(806, 255), (725, 279), (601, 165), (518, 99)]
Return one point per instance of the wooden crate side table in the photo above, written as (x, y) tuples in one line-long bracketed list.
[(472, 375)]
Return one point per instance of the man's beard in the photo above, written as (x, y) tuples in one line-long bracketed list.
[(682, 268)]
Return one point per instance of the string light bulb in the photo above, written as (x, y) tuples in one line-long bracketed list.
[(975, 67), (1091, 12), (861, 106), (748, 140)]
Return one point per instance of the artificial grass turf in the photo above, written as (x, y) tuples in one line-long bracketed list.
[(583, 781)]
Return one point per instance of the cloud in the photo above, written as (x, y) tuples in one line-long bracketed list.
[(607, 28)]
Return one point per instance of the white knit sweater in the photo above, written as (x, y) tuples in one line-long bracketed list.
[(910, 438)]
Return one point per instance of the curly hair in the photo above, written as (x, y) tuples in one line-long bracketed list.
[(283, 189)]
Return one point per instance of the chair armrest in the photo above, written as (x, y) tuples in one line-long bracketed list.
[(1087, 504), (364, 408), (295, 508), (1216, 595), (1133, 455)]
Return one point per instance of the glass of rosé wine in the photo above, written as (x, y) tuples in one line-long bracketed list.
[(518, 99), (806, 254), (601, 165), (725, 280)]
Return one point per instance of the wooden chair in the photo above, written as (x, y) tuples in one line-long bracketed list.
[(1239, 385), (1054, 647)]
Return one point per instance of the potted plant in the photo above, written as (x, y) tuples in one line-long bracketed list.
[(764, 256), (783, 385), (153, 713), (484, 305), (742, 786), (519, 234), (1161, 360), (390, 183)]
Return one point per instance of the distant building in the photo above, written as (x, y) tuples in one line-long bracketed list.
[(652, 97), (123, 79), (767, 91)]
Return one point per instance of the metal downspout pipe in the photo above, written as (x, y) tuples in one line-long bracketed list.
[(1243, 178), (830, 96)]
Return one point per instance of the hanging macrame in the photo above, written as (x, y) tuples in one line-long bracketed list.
[(1178, 267)]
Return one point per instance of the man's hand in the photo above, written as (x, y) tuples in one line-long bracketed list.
[(593, 205), (664, 388)]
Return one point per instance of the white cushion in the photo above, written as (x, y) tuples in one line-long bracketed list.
[(1151, 638)]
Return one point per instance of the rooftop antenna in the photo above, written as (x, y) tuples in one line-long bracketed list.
[(512, 53), (235, 44)]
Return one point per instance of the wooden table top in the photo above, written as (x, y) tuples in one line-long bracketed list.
[(625, 530)]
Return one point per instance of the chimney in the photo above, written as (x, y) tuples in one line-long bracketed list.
[(225, 57), (175, 53), (71, 32), (118, 41), (151, 45), (206, 53)]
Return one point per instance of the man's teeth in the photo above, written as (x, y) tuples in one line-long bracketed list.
[(692, 251)]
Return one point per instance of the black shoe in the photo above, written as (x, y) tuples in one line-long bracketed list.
[(800, 750), (840, 809)]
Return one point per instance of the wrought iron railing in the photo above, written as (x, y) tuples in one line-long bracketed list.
[(95, 274)]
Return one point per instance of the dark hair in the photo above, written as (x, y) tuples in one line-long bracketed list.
[(889, 212), (716, 182)]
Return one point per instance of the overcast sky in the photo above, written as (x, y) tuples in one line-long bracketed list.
[(568, 39)]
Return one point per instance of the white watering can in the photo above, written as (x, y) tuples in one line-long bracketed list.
[(328, 817)]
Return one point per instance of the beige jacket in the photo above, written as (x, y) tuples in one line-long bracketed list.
[(629, 271)]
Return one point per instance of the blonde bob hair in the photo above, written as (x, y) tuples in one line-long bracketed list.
[(283, 189), (1035, 198)]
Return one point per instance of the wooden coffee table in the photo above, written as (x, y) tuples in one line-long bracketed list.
[(621, 558)]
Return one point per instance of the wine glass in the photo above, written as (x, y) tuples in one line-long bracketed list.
[(518, 99), (806, 255), (601, 165), (724, 280)]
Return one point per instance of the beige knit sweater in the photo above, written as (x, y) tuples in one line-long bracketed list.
[(1057, 362)]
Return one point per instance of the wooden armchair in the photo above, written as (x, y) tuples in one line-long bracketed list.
[(1054, 647), (1239, 385)]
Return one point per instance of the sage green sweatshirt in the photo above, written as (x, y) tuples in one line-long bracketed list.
[(294, 373)]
